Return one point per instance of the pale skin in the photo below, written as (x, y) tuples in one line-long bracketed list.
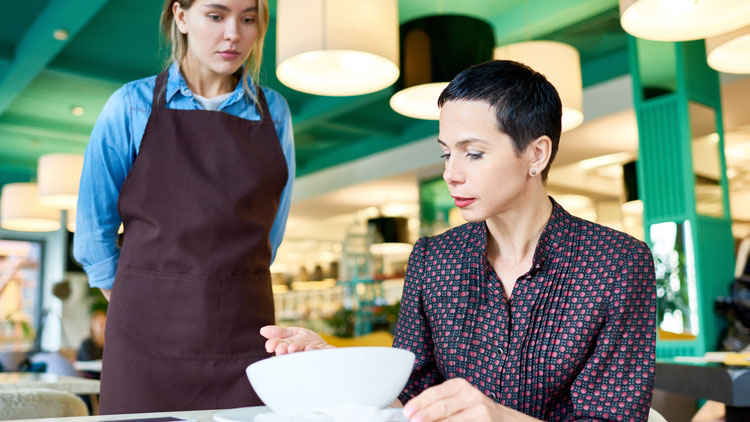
[(516, 211), (220, 37)]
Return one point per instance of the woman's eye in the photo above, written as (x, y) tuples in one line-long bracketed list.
[(445, 155), (249, 20), (474, 155), (214, 17)]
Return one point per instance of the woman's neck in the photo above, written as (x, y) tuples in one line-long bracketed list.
[(512, 236), (204, 82)]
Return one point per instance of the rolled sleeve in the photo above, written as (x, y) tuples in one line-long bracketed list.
[(108, 158)]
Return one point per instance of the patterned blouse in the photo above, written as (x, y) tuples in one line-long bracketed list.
[(576, 340)]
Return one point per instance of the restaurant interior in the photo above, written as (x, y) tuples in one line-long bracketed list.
[(655, 143)]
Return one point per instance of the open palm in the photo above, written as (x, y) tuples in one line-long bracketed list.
[(283, 340)]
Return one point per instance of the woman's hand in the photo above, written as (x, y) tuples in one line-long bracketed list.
[(283, 340), (457, 400)]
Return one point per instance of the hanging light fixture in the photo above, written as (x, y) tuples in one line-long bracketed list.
[(682, 20), (390, 235), (434, 49), (560, 64), (20, 209), (730, 52), (58, 177), (337, 47)]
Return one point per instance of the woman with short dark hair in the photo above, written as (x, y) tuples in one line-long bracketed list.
[(526, 312)]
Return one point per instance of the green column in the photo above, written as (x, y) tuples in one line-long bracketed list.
[(683, 185)]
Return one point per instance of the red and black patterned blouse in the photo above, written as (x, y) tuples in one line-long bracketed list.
[(576, 341)]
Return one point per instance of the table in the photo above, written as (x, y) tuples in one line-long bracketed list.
[(11, 381), (729, 385), (197, 415), (88, 365)]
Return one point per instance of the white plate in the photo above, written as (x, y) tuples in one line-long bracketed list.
[(249, 414), (242, 414)]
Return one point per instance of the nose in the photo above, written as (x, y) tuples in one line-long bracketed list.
[(232, 30), (453, 175)]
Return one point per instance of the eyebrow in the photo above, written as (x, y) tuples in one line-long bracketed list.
[(465, 142), (226, 9)]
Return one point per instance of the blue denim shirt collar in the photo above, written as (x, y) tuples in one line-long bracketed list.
[(176, 84)]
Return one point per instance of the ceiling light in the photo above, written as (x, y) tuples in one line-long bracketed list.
[(59, 176), (682, 20), (730, 52), (20, 209), (434, 50), (337, 47), (60, 34), (561, 65)]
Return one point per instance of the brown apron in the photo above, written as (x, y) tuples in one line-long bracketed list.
[(193, 285)]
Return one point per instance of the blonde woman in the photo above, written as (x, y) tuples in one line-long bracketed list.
[(198, 164)]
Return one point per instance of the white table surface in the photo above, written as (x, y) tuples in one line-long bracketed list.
[(88, 365), (197, 415), (11, 381)]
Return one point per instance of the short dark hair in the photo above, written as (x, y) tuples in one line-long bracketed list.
[(526, 105)]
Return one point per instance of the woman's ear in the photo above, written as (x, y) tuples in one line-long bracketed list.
[(538, 153), (179, 17)]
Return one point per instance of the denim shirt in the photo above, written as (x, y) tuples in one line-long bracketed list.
[(114, 144)]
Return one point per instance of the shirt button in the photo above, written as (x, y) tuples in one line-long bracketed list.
[(536, 266), (492, 395), (500, 351), (528, 277)]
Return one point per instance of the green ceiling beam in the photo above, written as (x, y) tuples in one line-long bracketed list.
[(322, 109), (535, 18), (73, 135), (605, 67), (38, 48), (368, 146)]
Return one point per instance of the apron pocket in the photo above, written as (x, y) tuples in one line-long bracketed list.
[(170, 315), (245, 305)]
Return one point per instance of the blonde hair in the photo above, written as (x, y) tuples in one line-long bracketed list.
[(178, 42)]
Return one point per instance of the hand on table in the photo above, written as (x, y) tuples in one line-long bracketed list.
[(283, 340), (458, 400)]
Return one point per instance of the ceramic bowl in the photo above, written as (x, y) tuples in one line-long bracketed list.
[(346, 376)]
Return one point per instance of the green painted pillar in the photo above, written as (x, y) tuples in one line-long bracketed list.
[(683, 185)]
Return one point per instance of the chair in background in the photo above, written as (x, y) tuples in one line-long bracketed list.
[(40, 403), (376, 338)]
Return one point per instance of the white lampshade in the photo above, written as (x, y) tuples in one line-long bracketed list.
[(337, 47), (730, 52), (20, 209), (560, 64), (682, 20), (434, 49), (419, 101), (58, 176)]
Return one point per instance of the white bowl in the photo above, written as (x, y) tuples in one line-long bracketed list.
[(347, 376)]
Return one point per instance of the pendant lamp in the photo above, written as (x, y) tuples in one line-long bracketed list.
[(390, 235), (337, 47), (730, 52), (682, 20), (560, 64), (58, 177), (20, 209), (434, 50)]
